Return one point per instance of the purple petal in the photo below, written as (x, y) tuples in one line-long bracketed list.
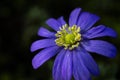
[(100, 47), (62, 21), (87, 20), (80, 72), (67, 66), (45, 33), (42, 44), (74, 16), (100, 31), (43, 56), (88, 61), (58, 65), (54, 24)]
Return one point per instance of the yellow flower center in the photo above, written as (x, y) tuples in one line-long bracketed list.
[(68, 37)]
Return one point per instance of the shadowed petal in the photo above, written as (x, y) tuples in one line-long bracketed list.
[(87, 20), (100, 47), (80, 72), (74, 16), (88, 61), (42, 44), (45, 33), (57, 75), (54, 24), (67, 66), (62, 21), (44, 55), (100, 31)]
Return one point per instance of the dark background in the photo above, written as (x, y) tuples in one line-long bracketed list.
[(20, 20)]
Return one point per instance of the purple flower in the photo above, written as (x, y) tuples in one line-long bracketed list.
[(72, 43)]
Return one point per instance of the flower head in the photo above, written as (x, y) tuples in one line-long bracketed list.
[(72, 43)]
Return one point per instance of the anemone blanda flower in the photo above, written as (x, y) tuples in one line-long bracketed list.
[(72, 43)]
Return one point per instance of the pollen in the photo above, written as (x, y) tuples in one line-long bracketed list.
[(68, 37)]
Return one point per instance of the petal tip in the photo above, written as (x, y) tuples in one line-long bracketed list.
[(34, 64), (78, 9), (47, 21), (97, 73), (113, 55), (31, 48), (39, 30), (74, 16), (115, 34), (53, 23)]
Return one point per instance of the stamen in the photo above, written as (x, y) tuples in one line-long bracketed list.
[(68, 37)]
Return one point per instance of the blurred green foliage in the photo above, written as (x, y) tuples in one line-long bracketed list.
[(20, 21)]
